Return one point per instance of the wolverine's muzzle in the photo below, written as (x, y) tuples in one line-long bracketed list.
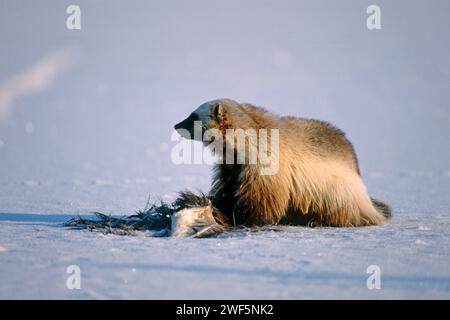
[(186, 127)]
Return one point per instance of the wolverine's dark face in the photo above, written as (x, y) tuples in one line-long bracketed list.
[(186, 127), (194, 126)]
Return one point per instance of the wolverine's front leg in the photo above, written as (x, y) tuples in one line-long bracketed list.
[(260, 199)]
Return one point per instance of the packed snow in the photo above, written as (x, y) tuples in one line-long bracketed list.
[(86, 119)]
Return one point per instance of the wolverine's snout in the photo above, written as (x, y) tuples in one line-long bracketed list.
[(179, 125), (186, 127), (187, 123)]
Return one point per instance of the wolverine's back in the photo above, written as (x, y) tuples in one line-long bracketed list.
[(320, 139)]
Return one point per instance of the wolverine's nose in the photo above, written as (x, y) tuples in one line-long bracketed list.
[(187, 123), (181, 125)]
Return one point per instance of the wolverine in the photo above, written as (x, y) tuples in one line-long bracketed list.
[(317, 181)]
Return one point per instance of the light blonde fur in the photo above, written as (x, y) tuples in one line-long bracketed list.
[(318, 177)]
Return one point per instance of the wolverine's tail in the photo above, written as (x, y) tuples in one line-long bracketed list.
[(382, 207)]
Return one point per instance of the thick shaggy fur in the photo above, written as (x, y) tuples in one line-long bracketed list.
[(318, 182)]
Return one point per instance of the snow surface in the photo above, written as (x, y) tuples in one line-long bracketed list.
[(86, 118), (295, 262)]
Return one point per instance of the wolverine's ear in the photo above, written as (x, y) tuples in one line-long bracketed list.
[(218, 111)]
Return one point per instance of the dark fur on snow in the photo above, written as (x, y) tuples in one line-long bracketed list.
[(154, 217)]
